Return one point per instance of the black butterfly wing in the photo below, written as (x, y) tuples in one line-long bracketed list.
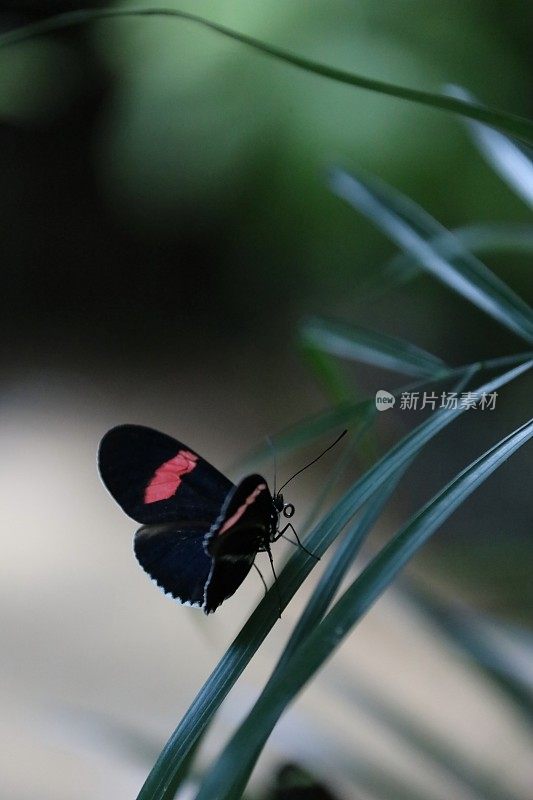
[(173, 555), (155, 478), (243, 526), (224, 580)]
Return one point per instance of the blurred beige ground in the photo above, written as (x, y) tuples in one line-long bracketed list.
[(89, 647)]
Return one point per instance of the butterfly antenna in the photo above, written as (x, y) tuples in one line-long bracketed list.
[(271, 445), (323, 453)]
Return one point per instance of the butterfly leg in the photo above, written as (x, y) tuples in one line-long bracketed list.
[(261, 576), (269, 551), (282, 533)]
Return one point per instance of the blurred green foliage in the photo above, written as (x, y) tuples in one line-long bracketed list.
[(198, 136)]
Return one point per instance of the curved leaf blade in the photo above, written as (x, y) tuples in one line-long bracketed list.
[(337, 568), (197, 718), (356, 343), (346, 414), (512, 124), (504, 156), (308, 429), (476, 238), (430, 746), (412, 228), (466, 630), (229, 775)]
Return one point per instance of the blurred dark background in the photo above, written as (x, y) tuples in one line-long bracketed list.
[(166, 225), (163, 185), (165, 215)]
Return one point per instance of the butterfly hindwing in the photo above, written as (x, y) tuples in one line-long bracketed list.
[(155, 478), (224, 580), (173, 555)]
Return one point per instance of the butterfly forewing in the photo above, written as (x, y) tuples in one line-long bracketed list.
[(245, 521), (242, 528), (155, 478)]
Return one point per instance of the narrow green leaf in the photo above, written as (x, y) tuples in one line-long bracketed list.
[(341, 392), (510, 123), (253, 633), (493, 238), (348, 414), (347, 551), (230, 773), (360, 344), (412, 229), (431, 746), (340, 563), (353, 450), (504, 156), (355, 446), (344, 415), (464, 629), (328, 372)]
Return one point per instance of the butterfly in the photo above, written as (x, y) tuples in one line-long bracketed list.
[(200, 533)]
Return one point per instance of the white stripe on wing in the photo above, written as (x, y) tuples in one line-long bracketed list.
[(240, 511)]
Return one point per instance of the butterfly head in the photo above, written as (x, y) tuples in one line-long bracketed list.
[(287, 509)]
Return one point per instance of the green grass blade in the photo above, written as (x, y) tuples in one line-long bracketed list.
[(494, 238), (347, 414), (412, 229), (355, 449), (255, 630), (431, 746), (341, 391), (510, 123), (228, 777), (360, 344), (328, 372), (340, 563), (463, 628), (344, 415), (504, 156)]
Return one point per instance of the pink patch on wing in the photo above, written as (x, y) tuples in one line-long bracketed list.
[(240, 511), (167, 477)]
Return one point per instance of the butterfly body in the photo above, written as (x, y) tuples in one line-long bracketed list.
[(200, 532)]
